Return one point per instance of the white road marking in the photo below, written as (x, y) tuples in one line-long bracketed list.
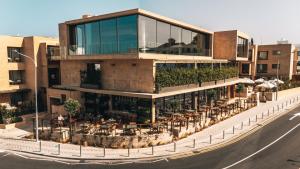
[(294, 116), (267, 146)]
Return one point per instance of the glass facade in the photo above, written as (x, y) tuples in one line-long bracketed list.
[(127, 34), (159, 37), (242, 47), (110, 36)]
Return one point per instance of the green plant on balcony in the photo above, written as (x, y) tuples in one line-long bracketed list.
[(184, 76)]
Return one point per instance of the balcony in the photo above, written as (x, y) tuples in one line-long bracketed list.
[(90, 79), (181, 78), (53, 53)]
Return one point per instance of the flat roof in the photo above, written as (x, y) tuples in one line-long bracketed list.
[(142, 12)]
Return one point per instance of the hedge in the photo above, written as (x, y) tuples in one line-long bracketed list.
[(183, 76)]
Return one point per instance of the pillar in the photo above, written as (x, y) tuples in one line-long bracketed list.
[(153, 110), (110, 103), (194, 101)]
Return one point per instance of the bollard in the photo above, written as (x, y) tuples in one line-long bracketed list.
[(174, 146), (80, 150), (40, 146), (268, 112), (210, 139), (58, 149), (249, 122), (282, 106), (290, 101), (262, 115), (104, 151), (223, 134), (194, 143), (128, 151), (152, 150), (277, 107), (255, 118), (273, 109), (233, 130), (242, 125)]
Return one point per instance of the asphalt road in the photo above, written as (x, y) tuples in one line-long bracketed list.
[(284, 154)]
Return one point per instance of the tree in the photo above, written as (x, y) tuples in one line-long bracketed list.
[(239, 89), (72, 107)]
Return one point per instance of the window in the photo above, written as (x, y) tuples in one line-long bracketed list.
[(92, 38), (200, 43), (14, 56), (53, 50), (274, 66), (127, 34), (298, 53), (262, 68), (147, 34), (80, 41), (276, 52), (17, 98), (250, 54), (242, 47), (16, 77), (175, 40), (109, 36), (262, 55), (245, 68), (163, 37), (186, 41)]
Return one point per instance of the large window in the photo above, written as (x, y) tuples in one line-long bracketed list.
[(262, 55), (245, 68), (92, 36), (163, 30), (127, 34), (110, 36), (262, 68), (160, 37), (16, 77), (147, 34), (242, 47), (13, 56)]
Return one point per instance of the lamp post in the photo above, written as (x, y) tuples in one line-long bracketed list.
[(277, 76), (36, 104)]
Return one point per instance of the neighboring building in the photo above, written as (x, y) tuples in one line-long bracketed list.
[(113, 63), (17, 83), (268, 57)]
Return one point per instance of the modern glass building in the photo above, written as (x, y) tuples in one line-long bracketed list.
[(136, 33)]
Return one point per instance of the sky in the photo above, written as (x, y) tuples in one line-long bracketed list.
[(265, 20)]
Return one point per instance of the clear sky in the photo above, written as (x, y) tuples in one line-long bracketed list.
[(265, 20)]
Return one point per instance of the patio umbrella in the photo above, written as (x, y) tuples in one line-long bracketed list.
[(267, 85), (247, 81), (275, 81), (260, 80)]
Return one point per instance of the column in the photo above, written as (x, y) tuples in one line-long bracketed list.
[(153, 110)]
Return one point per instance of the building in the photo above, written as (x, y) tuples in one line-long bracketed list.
[(17, 84), (268, 57), (138, 65)]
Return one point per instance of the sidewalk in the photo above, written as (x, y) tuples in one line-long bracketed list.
[(218, 134)]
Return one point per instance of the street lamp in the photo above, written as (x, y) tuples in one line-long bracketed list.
[(278, 53), (36, 104)]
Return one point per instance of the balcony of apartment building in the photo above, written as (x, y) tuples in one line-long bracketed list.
[(136, 36), (15, 61), (91, 77), (53, 53)]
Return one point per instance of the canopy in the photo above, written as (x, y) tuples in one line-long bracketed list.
[(260, 80), (267, 85), (247, 81)]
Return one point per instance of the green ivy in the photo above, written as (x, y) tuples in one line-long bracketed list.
[(183, 76)]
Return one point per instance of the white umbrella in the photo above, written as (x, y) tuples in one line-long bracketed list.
[(267, 85), (247, 81), (277, 81), (260, 80)]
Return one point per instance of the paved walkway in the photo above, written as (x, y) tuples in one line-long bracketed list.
[(219, 133)]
